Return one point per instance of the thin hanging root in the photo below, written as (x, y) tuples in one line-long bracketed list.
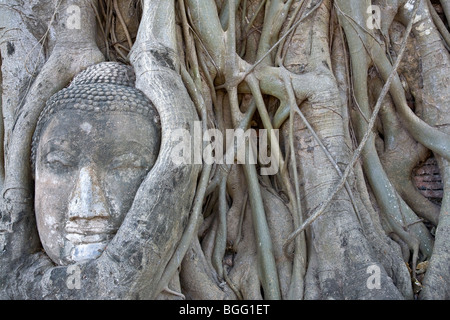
[(430, 137), (115, 43), (122, 22), (279, 59), (236, 79), (395, 135), (221, 234), (275, 15), (392, 205), (232, 286), (300, 251), (102, 29), (295, 108), (362, 144), (294, 26), (247, 32), (446, 6), (193, 223), (436, 279), (241, 221), (173, 292), (189, 233), (275, 147), (43, 38), (252, 20), (439, 24), (191, 53), (269, 277), (107, 23), (299, 263)]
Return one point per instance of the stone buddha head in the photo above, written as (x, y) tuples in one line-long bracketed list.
[(94, 143)]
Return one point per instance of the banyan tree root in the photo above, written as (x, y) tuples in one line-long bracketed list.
[(435, 68), (322, 95), (313, 69)]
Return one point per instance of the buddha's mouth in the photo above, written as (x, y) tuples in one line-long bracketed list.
[(86, 231), (77, 238)]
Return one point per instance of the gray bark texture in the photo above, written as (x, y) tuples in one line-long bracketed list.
[(359, 92)]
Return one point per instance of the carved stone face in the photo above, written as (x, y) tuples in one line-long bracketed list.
[(89, 166)]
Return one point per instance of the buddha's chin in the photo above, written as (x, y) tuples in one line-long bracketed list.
[(88, 251), (84, 251), (81, 247)]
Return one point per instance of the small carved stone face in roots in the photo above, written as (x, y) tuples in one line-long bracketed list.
[(90, 159)]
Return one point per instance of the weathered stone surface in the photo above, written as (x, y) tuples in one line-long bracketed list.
[(106, 225)]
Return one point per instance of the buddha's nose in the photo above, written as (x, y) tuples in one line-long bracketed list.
[(87, 200)]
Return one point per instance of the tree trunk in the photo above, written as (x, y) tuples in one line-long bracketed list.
[(358, 91)]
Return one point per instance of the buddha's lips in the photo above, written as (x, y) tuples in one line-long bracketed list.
[(88, 233), (77, 238)]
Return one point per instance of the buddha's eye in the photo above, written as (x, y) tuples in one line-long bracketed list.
[(59, 160), (129, 161)]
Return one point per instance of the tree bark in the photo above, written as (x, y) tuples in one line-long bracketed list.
[(313, 69)]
